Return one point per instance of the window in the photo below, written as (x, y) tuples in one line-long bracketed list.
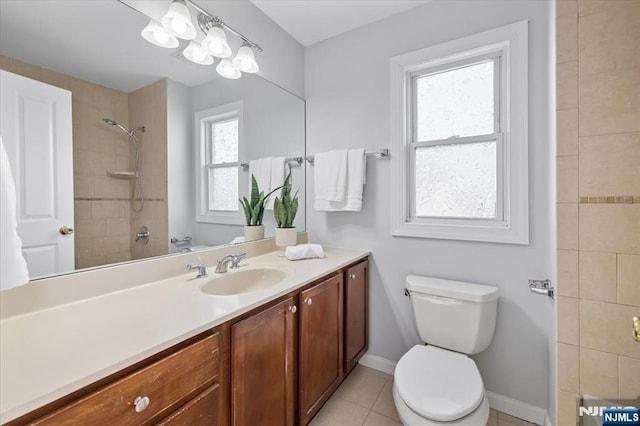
[(460, 138), (218, 151)]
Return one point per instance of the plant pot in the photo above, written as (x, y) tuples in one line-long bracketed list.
[(286, 237), (252, 233)]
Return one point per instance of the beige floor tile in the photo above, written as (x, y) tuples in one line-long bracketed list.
[(384, 404), (507, 420), (375, 419), (361, 387), (493, 418), (339, 412), (376, 372)]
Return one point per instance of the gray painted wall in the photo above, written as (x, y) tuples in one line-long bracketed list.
[(348, 105)]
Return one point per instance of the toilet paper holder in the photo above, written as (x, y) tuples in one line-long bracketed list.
[(542, 287)]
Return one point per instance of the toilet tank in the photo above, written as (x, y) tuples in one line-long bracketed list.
[(454, 315)]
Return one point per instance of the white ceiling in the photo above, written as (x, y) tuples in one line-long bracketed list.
[(96, 40), (311, 21)]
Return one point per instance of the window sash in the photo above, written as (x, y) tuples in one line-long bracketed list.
[(500, 195), (495, 57), (209, 134), (207, 182)]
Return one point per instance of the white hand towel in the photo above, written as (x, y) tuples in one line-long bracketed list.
[(304, 251), (13, 267), (330, 175), (278, 173), (356, 176), (261, 169)]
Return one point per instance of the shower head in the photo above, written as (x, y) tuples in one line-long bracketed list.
[(116, 124)]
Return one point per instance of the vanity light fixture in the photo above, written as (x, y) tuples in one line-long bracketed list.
[(196, 53), (244, 60), (227, 69), (177, 23), (154, 33), (216, 42)]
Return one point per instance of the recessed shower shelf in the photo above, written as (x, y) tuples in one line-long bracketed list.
[(123, 175)]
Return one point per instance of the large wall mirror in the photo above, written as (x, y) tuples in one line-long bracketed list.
[(136, 145)]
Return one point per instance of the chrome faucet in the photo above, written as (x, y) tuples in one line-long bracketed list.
[(202, 270), (234, 259)]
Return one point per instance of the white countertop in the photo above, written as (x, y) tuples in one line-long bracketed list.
[(50, 353)]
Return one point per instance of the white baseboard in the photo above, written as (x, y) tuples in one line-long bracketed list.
[(507, 405), (516, 408), (378, 363)]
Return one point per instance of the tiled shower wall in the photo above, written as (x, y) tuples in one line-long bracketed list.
[(598, 172), (105, 226), (148, 107)]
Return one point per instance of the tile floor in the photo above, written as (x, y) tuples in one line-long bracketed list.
[(365, 399)]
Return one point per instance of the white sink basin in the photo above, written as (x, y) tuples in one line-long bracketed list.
[(243, 281)]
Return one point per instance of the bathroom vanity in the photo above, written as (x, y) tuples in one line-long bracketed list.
[(274, 353)]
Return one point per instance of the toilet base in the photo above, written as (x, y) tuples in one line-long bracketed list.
[(478, 417)]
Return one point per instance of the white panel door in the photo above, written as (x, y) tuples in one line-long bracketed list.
[(36, 128)]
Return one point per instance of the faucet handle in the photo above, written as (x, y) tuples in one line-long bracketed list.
[(236, 260)]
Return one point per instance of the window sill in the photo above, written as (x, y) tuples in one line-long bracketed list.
[(494, 233), (220, 219)]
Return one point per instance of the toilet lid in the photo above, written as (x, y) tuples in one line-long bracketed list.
[(439, 384)]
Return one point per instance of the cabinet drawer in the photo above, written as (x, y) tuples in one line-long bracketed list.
[(200, 411), (167, 384)]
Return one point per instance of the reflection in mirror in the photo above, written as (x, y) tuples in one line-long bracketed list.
[(103, 142)]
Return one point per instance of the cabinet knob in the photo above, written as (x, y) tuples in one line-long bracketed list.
[(308, 301), (352, 276), (141, 403), (293, 309)]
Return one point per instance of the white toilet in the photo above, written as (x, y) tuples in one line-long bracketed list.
[(439, 384)]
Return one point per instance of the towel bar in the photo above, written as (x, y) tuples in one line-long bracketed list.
[(298, 160), (382, 153)]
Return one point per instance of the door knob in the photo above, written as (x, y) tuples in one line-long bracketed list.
[(308, 301), (66, 230), (352, 276), (293, 309)]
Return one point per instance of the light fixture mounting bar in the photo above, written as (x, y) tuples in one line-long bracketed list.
[(207, 20)]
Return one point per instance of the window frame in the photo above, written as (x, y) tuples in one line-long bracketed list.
[(509, 45), (203, 131)]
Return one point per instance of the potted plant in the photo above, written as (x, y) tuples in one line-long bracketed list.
[(285, 208), (254, 211)]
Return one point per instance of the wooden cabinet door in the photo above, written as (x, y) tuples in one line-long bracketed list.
[(320, 345), (263, 367), (355, 314)]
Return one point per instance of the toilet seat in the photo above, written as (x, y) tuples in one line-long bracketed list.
[(438, 384)]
